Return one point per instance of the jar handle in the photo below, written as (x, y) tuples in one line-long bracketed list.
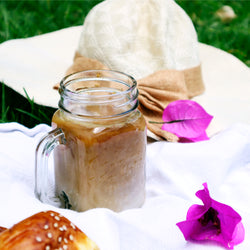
[(43, 150)]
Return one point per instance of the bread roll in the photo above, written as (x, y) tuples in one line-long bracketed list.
[(46, 231)]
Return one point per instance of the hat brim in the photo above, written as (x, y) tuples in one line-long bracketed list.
[(36, 64)]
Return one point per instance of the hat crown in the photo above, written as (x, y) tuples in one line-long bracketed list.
[(140, 37)]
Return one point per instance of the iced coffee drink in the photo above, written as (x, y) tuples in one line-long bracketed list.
[(99, 144)]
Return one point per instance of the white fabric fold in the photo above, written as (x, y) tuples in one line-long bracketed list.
[(175, 172)]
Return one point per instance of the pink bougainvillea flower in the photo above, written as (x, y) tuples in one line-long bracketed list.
[(187, 119), (212, 221)]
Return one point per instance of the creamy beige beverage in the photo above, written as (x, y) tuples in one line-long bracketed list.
[(99, 144), (102, 164)]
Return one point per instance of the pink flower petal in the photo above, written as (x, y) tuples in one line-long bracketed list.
[(187, 119), (196, 212), (238, 234)]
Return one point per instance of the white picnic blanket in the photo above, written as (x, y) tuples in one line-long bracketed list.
[(175, 172)]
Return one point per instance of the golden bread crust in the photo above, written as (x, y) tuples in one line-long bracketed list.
[(46, 231)]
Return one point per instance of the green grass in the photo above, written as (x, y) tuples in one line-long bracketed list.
[(20, 19), (16, 108), (29, 18)]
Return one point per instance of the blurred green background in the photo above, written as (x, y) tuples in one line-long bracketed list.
[(20, 19)]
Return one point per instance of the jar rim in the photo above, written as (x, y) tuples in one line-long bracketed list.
[(68, 95), (67, 80)]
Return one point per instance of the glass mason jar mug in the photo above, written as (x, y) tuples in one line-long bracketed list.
[(99, 144)]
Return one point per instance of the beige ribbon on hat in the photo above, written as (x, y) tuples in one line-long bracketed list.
[(156, 91)]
